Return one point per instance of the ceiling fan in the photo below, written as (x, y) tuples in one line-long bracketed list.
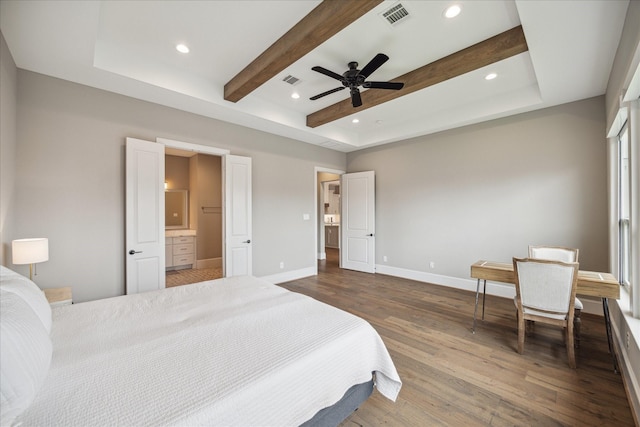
[(353, 78)]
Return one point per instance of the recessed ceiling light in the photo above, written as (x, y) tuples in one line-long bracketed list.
[(295, 95), (452, 11), (355, 121), (182, 48), (490, 76)]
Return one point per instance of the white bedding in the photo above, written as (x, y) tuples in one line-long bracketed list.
[(235, 351)]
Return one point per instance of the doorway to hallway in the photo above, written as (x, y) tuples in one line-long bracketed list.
[(328, 212)]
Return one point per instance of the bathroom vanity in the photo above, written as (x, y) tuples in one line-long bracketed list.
[(180, 249)]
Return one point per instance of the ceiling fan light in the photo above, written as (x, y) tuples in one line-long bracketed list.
[(452, 11), (182, 48)]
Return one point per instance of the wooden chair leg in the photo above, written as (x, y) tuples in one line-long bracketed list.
[(571, 355), (576, 326), (521, 333)]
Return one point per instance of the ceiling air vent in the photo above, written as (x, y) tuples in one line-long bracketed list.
[(396, 14), (291, 80)]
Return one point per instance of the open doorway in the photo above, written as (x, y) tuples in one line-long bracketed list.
[(146, 235), (328, 216), (193, 249)]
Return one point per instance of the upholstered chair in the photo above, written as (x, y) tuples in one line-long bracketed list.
[(546, 293), (559, 253)]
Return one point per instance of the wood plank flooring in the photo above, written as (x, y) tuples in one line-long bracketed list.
[(455, 378)]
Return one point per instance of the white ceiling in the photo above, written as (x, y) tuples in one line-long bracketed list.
[(128, 47)]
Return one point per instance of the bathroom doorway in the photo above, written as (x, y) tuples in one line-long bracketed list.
[(194, 251)]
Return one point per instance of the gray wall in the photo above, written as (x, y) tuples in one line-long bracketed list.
[(8, 140), (488, 191), (70, 181), (625, 56), (208, 192)]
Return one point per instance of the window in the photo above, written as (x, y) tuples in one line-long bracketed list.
[(624, 208)]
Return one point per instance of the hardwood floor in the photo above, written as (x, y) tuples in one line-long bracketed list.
[(453, 377)]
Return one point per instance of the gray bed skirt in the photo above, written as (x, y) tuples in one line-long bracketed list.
[(335, 414)]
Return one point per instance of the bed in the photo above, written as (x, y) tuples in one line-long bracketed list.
[(233, 351)]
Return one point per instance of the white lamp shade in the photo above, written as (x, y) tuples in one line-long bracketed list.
[(30, 251)]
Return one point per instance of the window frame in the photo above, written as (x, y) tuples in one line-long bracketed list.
[(624, 204)]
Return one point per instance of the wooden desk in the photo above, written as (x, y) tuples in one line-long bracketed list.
[(590, 283)]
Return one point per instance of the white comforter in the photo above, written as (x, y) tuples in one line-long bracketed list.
[(236, 351)]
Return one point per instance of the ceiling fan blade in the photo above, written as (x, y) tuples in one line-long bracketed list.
[(329, 92), (383, 85), (374, 64), (326, 72), (356, 100)]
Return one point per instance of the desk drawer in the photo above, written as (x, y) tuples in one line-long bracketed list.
[(183, 259)]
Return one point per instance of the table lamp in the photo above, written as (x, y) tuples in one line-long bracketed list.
[(30, 251)]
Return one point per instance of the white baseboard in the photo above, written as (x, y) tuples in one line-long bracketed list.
[(493, 288), (627, 349), (288, 276), (209, 263), (322, 255)]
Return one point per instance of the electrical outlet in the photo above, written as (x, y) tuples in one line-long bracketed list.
[(628, 339), (432, 264), (281, 265), (384, 258)]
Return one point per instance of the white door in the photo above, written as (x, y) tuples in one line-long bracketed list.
[(144, 216), (236, 173), (358, 221)]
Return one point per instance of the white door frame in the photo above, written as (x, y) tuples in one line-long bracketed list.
[(201, 149), (317, 211), (196, 148)]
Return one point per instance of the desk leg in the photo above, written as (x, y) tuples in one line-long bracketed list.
[(484, 296), (607, 324), (475, 310)]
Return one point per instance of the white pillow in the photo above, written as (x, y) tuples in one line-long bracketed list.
[(11, 281), (25, 356)]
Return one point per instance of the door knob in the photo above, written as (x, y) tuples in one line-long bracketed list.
[(131, 252), (247, 241), (370, 235)]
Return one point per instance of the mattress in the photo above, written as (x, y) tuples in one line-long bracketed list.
[(233, 351)]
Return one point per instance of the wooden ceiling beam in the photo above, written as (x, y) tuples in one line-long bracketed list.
[(322, 23), (494, 49)]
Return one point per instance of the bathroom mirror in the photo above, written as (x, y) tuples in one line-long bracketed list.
[(176, 209)]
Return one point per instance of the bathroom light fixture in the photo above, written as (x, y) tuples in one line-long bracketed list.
[(182, 48), (30, 251), (452, 11)]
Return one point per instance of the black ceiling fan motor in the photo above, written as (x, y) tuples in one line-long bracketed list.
[(354, 78)]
